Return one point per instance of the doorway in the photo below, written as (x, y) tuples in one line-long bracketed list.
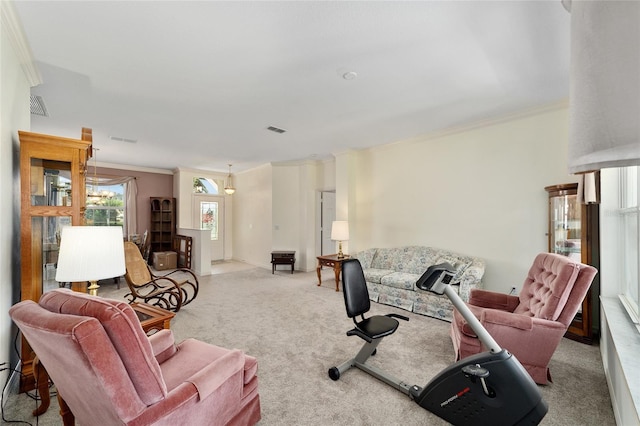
[(208, 213), (327, 216)]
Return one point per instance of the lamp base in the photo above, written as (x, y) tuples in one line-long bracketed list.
[(93, 288), (340, 253)]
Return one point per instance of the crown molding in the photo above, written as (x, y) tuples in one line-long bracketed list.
[(132, 168), (13, 28)]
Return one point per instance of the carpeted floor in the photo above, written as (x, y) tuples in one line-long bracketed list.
[(297, 331)]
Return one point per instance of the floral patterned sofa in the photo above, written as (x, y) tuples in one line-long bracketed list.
[(391, 275)]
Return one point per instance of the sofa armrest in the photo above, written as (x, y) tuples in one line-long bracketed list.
[(218, 372), (163, 345), (471, 278), (491, 299)]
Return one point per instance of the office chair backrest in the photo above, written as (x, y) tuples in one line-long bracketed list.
[(354, 288)]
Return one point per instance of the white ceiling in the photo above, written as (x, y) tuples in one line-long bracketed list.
[(197, 83)]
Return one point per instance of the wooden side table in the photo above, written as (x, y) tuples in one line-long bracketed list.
[(333, 261), (282, 258), (152, 318)]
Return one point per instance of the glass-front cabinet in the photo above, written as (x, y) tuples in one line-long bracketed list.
[(52, 195), (574, 232)]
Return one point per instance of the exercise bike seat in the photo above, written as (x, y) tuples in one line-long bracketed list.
[(357, 303)]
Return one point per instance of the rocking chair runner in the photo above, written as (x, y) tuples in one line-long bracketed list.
[(171, 291)]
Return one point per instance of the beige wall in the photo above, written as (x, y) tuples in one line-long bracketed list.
[(14, 116), (477, 191), (252, 218)]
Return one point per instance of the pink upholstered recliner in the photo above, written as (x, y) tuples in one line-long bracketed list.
[(531, 324), (110, 372)]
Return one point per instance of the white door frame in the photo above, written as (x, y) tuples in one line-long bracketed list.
[(326, 201)]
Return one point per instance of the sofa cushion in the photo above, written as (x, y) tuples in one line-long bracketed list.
[(392, 258), (459, 263), (420, 260), (366, 257), (374, 275), (400, 280)]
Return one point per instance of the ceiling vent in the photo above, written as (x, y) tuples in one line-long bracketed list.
[(37, 106), (276, 129), (120, 139)]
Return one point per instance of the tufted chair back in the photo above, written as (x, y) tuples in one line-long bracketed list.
[(547, 288)]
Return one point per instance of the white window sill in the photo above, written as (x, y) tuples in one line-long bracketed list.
[(626, 342)]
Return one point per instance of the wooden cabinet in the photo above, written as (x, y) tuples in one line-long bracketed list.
[(574, 230), (163, 224), (52, 195)]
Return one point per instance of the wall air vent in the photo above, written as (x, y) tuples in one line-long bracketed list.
[(121, 139), (37, 106), (276, 129)]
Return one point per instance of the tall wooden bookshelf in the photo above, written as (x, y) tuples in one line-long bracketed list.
[(163, 224)]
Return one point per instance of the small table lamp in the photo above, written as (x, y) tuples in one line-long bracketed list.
[(90, 253), (340, 233)]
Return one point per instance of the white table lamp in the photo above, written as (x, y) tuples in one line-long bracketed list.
[(340, 233), (90, 253)]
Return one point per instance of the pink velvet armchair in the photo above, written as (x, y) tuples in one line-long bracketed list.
[(110, 372), (529, 325)]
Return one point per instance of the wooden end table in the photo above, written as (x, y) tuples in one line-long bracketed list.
[(333, 261), (152, 318)]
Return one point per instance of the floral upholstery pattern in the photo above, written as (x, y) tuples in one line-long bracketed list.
[(391, 274)]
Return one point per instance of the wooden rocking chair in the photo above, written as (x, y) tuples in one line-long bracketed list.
[(168, 291)]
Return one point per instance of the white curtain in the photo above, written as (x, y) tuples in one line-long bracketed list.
[(604, 84), (130, 195)]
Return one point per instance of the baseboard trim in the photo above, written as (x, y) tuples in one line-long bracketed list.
[(13, 385)]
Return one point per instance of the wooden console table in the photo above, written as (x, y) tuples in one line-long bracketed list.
[(282, 258), (333, 261)]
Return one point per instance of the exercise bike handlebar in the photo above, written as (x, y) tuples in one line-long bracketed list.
[(482, 333), (437, 279)]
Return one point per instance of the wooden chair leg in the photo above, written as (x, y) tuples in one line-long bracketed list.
[(68, 419), (42, 384)]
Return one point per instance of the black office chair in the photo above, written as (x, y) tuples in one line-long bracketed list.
[(371, 330)]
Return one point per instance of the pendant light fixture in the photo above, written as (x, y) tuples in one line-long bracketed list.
[(228, 186), (95, 197)]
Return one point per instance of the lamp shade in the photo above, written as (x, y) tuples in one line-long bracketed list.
[(90, 253), (340, 230), (604, 130)]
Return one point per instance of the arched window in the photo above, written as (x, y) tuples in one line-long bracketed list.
[(203, 185)]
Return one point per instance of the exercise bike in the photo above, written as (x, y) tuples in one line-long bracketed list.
[(490, 388)]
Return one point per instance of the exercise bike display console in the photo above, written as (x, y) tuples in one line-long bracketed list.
[(490, 388)]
